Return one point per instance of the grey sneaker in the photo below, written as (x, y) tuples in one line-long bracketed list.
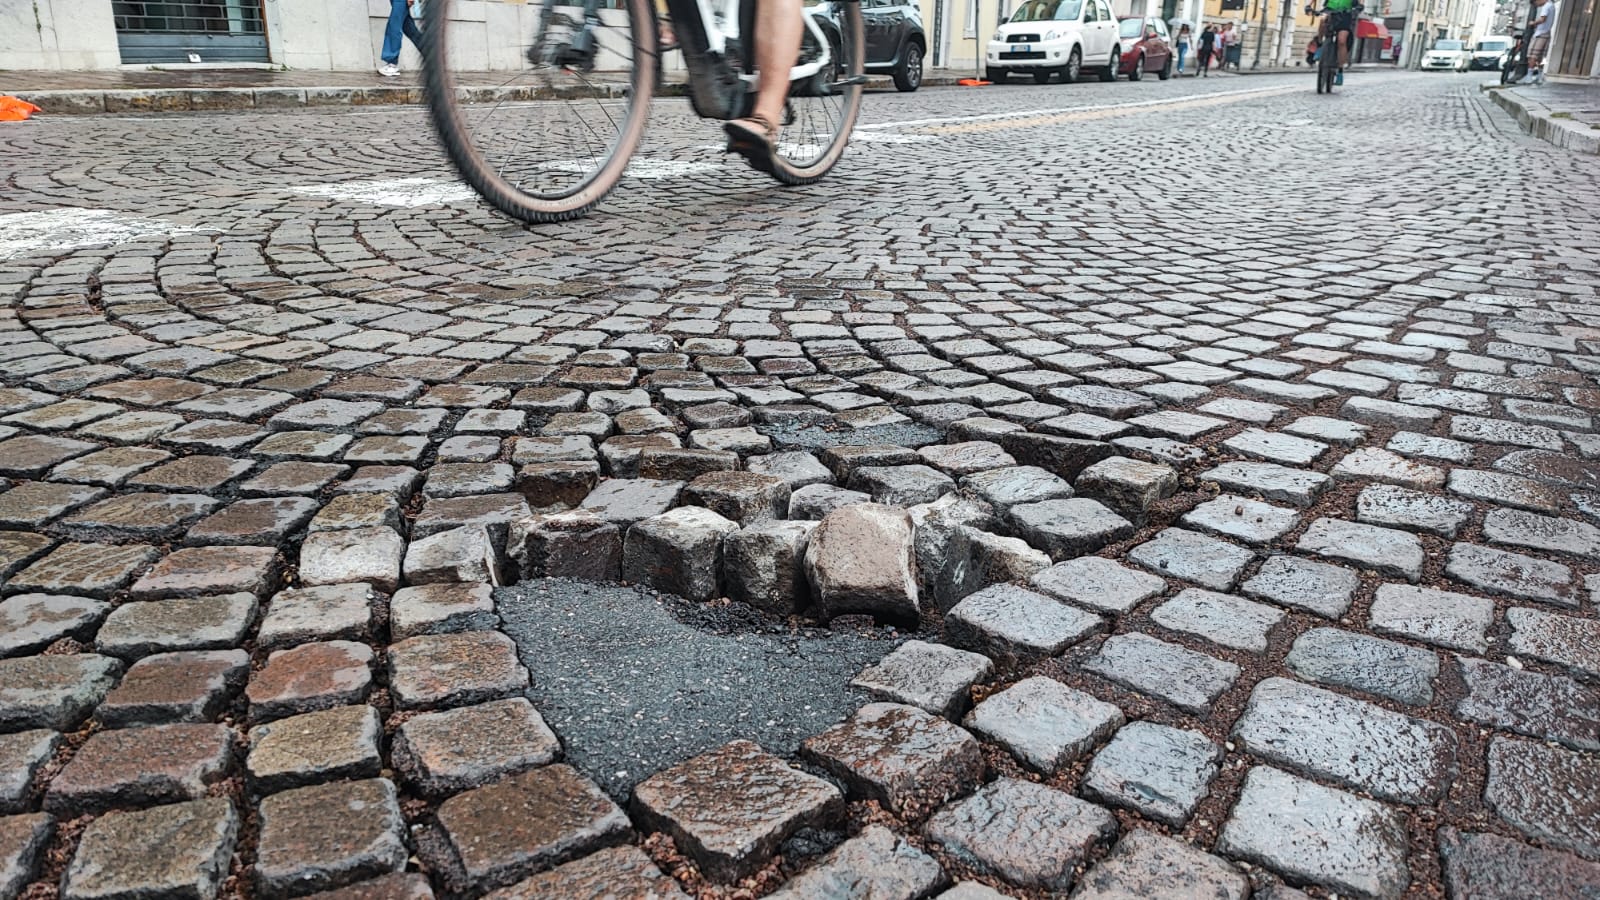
[(388, 70)]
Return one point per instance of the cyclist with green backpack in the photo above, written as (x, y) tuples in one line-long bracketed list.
[(1338, 20)]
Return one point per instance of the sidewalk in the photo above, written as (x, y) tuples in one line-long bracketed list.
[(1565, 114), (69, 93)]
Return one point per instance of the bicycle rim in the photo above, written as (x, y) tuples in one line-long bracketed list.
[(540, 140), (817, 129)]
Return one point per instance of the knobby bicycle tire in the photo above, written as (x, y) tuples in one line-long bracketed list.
[(853, 40), (445, 101)]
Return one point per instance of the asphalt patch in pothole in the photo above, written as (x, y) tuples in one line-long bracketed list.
[(634, 682)]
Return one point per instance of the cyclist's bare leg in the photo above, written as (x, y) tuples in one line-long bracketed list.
[(1344, 49), (779, 24)]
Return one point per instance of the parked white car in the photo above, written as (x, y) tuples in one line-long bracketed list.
[(1490, 53), (1056, 37), (1452, 55)]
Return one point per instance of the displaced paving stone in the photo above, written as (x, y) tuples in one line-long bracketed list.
[(1507, 574), (1243, 519), (1272, 482), (1013, 625), (1551, 707), (859, 560), (309, 678), (1043, 723), (1443, 618), (193, 686), (1145, 864), (187, 623), (444, 753), (1219, 618), (730, 809), (1028, 834), (931, 677), (1128, 486), (624, 501), (370, 555), (457, 556), (1373, 665), (1567, 641), (1347, 741), (1098, 583), (31, 622), (796, 468), (966, 458), (1310, 833), (1498, 868), (22, 842), (901, 485), (1551, 795), (875, 863), (327, 836), (1156, 770), (328, 612), (742, 497), (975, 559), (1188, 680), (900, 756), (22, 755), (53, 691), (330, 745), (495, 512), (1176, 553), (573, 544), (141, 767), (1382, 549), (764, 565), (1525, 529), (439, 670), (815, 501), (614, 872), (678, 552), (180, 851), (1007, 487), (1069, 528)]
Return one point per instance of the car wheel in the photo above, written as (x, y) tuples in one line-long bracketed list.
[(1138, 69), (1166, 71), (995, 76), (1109, 73), (908, 75), (1074, 68), (1042, 76)]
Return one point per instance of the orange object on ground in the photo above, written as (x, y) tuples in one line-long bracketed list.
[(14, 110), (973, 82)]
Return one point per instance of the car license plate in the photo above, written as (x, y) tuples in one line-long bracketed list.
[(1025, 48)]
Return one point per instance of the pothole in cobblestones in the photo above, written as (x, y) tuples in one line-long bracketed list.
[(635, 682)]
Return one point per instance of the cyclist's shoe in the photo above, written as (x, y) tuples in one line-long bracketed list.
[(1338, 79), (756, 140)]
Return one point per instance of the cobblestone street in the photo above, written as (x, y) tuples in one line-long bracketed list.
[(1165, 489)]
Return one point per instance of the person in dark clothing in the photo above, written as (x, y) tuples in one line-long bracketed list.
[(1208, 46)]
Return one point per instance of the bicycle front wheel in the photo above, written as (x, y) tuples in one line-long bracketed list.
[(540, 113), (823, 108)]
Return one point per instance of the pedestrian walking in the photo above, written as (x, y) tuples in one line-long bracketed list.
[(1543, 24), (400, 23), (1185, 36), (1208, 46)]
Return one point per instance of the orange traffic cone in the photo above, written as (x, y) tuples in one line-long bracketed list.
[(14, 110)]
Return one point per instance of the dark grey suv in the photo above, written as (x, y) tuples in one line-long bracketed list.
[(896, 44)]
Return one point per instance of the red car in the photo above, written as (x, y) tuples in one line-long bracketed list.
[(1146, 47)]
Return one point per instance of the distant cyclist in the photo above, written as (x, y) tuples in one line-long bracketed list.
[(1338, 21)]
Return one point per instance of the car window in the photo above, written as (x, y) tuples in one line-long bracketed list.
[(1131, 28), (1448, 45), (1161, 27), (1047, 11), (1493, 45), (1105, 12)]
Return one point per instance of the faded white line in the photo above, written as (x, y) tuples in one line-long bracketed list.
[(403, 192), (1060, 110), (59, 230)]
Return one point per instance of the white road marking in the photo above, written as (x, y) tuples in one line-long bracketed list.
[(58, 230), (1063, 110), (642, 167), (404, 192)]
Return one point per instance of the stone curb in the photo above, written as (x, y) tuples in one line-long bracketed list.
[(154, 100), (1539, 121)]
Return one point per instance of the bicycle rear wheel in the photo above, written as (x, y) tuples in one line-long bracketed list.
[(823, 109), (546, 134)]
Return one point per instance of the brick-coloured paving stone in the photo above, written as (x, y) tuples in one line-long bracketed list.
[(324, 613), (512, 828), (190, 686), (309, 678), (180, 851), (267, 520), (31, 504), (142, 767), (328, 836), (329, 745), (730, 809), (142, 628), (897, 755), (22, 842), (443, 753), (1030, 835), (194, 571), (53, 691), (31, 622), (613, 872), (94, 570), (138, 516), (439, 670)]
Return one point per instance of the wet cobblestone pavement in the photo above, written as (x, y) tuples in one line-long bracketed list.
[(1205, 473)]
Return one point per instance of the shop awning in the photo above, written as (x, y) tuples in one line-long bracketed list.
[(1372, 29)]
